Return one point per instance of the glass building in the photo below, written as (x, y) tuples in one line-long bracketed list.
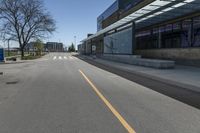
[(161, 29)]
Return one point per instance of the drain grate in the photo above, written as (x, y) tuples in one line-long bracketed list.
[(1, 73), (12, 82)]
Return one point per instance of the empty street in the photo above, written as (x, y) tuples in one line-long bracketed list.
[(60, 93)]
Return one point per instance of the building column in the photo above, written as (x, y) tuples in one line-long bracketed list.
[(133, 38), (191, 33), (104, 35), (159, 38), (91, 47)]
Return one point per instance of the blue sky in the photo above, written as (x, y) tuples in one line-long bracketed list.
[(75, 18)]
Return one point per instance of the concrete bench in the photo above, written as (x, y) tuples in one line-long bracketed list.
[(137, 60), (120, 58), (160, 64)]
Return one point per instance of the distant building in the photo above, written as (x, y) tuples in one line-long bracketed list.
[(49, 46), (54, 47), (30, 47), (65, 49), (13, 49)]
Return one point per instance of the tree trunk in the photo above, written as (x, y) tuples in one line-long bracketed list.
[(22, 53)]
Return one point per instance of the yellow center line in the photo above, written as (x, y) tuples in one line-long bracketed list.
[(109, 105)]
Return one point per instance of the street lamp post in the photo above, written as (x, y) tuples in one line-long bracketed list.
[(75, 42), (8, 47)]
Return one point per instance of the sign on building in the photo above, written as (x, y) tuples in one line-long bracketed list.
[(94, 48), (1, 54)]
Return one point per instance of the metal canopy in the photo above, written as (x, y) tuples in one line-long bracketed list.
[(155, 12)]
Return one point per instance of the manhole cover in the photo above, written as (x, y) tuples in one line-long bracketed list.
[(12, 82)]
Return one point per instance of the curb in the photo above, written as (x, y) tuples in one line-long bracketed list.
[(5, 63)]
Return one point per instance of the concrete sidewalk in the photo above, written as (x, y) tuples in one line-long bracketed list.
[(24, 61), (182, 76)]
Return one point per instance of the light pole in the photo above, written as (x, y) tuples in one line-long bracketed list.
[(8, 47), (75, 42)]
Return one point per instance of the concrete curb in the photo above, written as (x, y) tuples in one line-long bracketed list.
[(166, 81), (5, 63)]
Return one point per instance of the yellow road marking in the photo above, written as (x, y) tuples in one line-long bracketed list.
[(108, 104)]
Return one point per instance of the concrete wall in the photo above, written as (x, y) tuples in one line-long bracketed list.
[(137, 60), (185, 56)]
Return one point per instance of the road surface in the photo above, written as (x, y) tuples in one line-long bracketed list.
[(60, 93)]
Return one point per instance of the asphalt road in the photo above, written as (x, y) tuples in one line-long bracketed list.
[(184, 93), (62, 94)]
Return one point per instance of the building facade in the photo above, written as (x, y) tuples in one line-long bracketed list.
[(30, 47), (151, 28), (49, 46), (116, 11), (54, 47)]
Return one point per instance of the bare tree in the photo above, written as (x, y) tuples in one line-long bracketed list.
[(24, 20)]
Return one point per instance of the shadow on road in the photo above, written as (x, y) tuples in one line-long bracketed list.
[(181, 94)]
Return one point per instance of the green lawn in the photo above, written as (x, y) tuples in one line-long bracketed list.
[(14, 54), (26, 57), (11, 54), (30, 57)]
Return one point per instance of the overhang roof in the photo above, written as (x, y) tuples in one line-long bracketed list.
[(155, 12)]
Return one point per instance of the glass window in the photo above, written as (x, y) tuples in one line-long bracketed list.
[(162, 29), (143, 33), (155, 30), (146, 33), (138, 34), (174, 35), (155, 43), (119, 43), (176, 42), (196, 34), (186, 24), (196, 22), (168, 27), (184, 40), (167, 43), (196, 37), (176, 26)]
